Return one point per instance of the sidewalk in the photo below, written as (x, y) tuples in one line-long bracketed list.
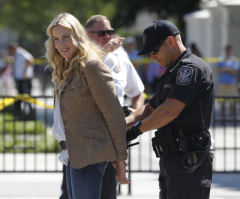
[(144, 186)]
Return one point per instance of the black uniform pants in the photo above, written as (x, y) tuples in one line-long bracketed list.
[(175, 184), (64, 192), (109, 184)]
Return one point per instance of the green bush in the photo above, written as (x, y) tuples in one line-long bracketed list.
[(26, 136)]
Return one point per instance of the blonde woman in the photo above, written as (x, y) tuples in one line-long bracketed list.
[(88, 119)]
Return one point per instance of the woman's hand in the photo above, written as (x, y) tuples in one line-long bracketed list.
[(121, 172)]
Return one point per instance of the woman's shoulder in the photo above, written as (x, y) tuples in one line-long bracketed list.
[(95, 65), (91, 62)]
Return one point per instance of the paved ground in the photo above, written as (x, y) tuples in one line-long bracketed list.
[(144, 186)]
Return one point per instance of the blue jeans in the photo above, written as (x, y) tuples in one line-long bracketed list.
[(85, 183)]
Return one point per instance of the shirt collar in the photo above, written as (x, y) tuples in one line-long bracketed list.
[(179, 59)]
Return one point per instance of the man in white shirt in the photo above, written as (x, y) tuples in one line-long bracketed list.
[(22, 70), (126, 80)]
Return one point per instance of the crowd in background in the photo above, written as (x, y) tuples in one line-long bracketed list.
[(227, 67)]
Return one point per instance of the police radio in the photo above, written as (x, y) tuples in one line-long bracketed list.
[(200, 143)]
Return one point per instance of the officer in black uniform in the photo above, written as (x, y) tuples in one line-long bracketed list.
[(181, 111)]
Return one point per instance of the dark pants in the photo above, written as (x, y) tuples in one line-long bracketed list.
[(86, 182), (64, 192), (23, 87), (177, 184), (109, 185)]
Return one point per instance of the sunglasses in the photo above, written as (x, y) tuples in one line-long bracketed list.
[(102, 33), (155, 51)]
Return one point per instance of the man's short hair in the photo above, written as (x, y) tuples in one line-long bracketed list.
[(13, 45), (228, 46), (93, 19)]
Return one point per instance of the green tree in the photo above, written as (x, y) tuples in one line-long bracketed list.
[(30, 18), (127, 12)]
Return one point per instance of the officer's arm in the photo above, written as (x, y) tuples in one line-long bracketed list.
[(163, 115), (140, 114)]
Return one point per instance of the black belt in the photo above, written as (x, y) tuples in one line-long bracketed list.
[(62, 145)]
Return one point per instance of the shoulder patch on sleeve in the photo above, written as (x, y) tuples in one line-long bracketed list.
[(184, 75)]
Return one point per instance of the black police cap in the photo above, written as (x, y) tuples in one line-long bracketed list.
[(155, 33)]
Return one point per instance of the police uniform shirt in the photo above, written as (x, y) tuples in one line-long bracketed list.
[(190, 81), (126, 80)]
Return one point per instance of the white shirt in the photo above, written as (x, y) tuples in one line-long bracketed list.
[(126, 80), (21, 58), (58, 131)]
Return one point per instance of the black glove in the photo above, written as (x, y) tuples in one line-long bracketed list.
[(133, 132), (126, 111)]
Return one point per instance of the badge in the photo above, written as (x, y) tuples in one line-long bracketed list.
[(117, 68), (184, 75)]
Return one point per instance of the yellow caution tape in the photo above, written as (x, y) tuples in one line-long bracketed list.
[(40, 61), (227, 99), (146, 97), (6, 102), (145, 60), (206, 59), (24, 97)]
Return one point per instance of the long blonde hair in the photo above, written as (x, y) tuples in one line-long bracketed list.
[(63, 70)]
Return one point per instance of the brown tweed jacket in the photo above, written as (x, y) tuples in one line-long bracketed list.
[(93, 118)]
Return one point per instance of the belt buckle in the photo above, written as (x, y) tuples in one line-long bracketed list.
[(63, 145)]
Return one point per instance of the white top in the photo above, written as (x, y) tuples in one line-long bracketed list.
[(126, 80), (58, 131), (21, 58)]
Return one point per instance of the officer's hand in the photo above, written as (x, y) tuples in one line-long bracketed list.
[(133, 132)]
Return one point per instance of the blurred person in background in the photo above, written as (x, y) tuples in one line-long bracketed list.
[(227, 68), (23, 73), (7, 82), (154, 71), (130, 44), (126, 80), (84, 90), (195, 50)]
